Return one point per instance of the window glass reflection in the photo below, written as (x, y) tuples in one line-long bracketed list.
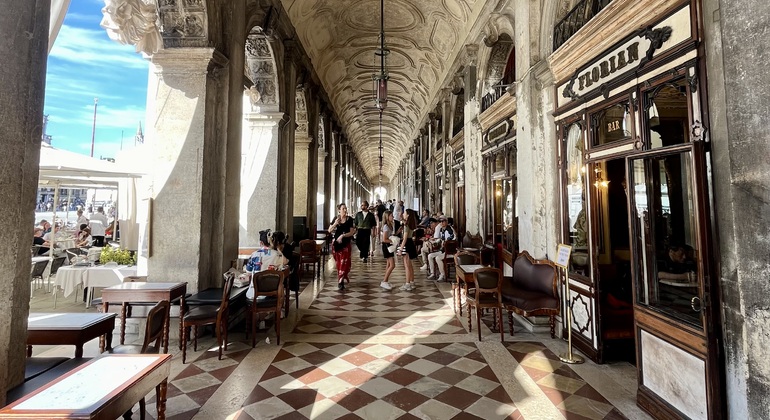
[(576, 201), (612, 124), (667, 231), (667, 114)]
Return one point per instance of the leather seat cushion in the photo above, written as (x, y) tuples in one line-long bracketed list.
[(201, 312), (266, 302), (527, 300)]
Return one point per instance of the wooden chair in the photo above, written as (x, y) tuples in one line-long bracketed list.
[(209, 315), (153, 333), (450, 249), (268, 297), (459, 285), (488, 294), (308, 255)]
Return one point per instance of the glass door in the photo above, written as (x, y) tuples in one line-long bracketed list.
[(674, 309)]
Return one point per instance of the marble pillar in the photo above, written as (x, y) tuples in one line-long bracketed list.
[(259, 175), (739, 98), (302, 145), (472, 139), (23, 45), (187, 114), (322, 200), (311, 172), (287, 129)]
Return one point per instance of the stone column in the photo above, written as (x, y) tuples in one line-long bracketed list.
[(24, 45), (446, 123), (312, 168), (322, 202), (186, 114), (736, 57), (325, 214), (259, 175), (302, 143), (285, 197), (234, 138), (474, 174)]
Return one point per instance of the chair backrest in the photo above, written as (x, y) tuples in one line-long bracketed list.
[(467, 240), (466, 258), (419, 233), (224, 305), (268, 283), (450, 247), (39, 268), (156, 319), (488, 279), (306, 247), (57, 262), (536, 275)]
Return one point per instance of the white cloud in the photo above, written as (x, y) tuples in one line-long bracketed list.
[(92, 47)]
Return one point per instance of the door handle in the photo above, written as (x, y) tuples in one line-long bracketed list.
[(696, 301)]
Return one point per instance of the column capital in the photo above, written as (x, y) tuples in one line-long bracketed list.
[(187, 60)]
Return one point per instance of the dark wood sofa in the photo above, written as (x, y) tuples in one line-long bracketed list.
[(532, 290)]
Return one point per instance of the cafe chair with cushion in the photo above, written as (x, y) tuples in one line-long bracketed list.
[(268, 297), (153, 334), (308, 255), (209, 315), (38, 269), (450, 249), (487, 295), (459, 285)]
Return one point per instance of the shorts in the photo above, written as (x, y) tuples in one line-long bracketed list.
[(410, 249), (385, 253)]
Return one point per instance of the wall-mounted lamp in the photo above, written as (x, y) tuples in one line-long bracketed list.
[(600, 182)]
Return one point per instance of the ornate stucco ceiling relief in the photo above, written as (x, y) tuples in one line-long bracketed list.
[(424, 38)]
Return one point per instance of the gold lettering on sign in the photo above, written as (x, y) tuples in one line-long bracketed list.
[(613, 126), (609, 66)]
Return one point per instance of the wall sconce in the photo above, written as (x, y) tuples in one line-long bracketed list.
[(600, 182)]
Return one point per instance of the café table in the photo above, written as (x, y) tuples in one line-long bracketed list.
[(68, 278), (464, 276), (70, 329), (146, 292), (105, 276), (103, 388)]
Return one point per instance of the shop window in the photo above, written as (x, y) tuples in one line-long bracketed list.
[(577, 222), (612, 124), (667, 114)]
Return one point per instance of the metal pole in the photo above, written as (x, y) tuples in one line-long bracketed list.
[(93, 129), (569, 357)]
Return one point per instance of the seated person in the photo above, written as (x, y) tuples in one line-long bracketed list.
[(84, 237), (677, 266), (425, 220), (43, 245), (446, 233), (50, 235), (432, 233), (272, 257)]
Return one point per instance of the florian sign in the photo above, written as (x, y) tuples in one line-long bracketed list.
[(631, 55), (617, 63)]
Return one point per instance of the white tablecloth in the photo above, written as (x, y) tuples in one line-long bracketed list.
[(69, 277)]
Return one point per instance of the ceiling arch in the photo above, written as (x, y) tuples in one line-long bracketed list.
[(424, 37)]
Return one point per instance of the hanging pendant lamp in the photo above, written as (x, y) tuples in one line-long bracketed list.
[(380, 79)]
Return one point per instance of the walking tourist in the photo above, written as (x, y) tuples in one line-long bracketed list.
[(342, 229), (364, 224), (98, 226), (408, 250), (387, 242)]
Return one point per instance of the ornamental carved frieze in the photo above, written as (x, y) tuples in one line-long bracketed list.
[(260, 68), (184, 23)]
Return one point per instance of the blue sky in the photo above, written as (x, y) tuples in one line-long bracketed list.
[(83, 64)]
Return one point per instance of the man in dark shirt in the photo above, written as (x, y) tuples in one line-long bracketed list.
[(364, 223), (40, 242)]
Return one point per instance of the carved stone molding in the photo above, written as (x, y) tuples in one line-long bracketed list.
[(184, 23)]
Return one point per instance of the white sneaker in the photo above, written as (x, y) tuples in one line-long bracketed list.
[(441, 278), (404, 288), (409, 287), (424, 267), (385, 285), (431, 276)]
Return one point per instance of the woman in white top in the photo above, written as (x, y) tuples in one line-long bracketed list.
[(387, 233), (273, 257)]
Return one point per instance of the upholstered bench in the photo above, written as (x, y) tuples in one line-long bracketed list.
[(533, 289)]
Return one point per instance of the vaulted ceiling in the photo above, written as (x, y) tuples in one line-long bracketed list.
[(424, 38)]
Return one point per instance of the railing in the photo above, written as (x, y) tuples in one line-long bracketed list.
[(583, 12), (497, 91)]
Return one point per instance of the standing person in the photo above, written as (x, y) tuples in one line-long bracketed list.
[(398, 210), (98, 226), (446, 234), (408, 250), (342, 228), (364, 224), (375, 232), (387, 233)]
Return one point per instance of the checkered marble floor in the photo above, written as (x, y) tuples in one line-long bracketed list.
[(366, 353)]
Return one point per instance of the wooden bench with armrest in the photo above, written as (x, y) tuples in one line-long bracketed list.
[(533, 289)]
